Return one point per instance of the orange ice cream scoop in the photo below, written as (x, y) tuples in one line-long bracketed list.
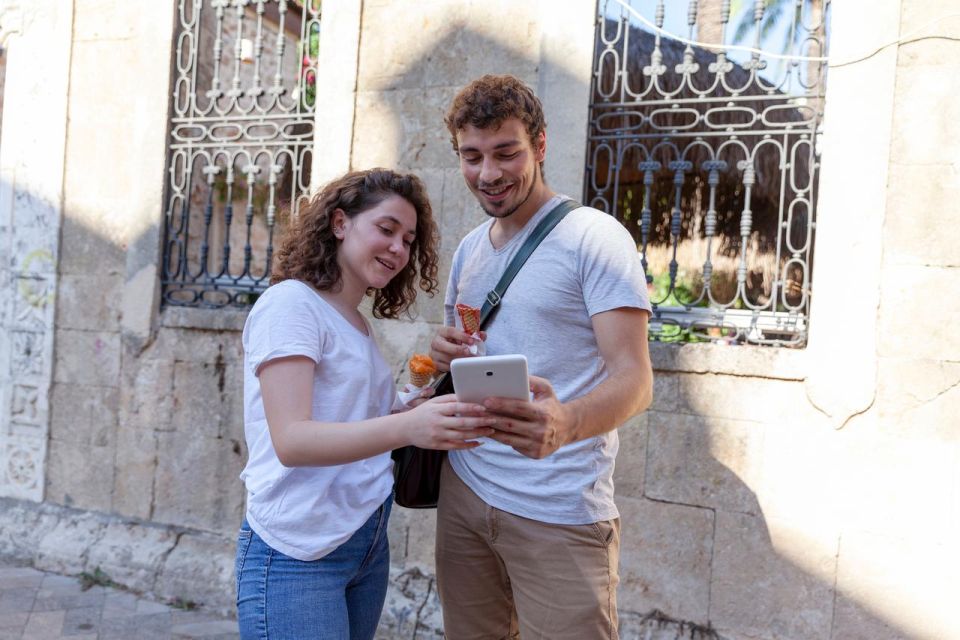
[(469, 317), (421, 369), (421, 363)]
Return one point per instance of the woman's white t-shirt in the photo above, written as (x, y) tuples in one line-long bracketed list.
[(307, 512)]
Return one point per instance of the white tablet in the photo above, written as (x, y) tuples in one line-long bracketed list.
[(476, 379)]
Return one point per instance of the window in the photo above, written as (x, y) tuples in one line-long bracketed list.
[(241, 143), (703, 134)]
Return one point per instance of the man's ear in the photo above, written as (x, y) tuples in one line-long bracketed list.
[(540, 145)]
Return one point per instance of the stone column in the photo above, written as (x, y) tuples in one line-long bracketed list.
[(563, 85), (858, 122), (37, 37), (337, 74)]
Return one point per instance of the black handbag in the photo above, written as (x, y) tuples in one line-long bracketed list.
[(416, 471)]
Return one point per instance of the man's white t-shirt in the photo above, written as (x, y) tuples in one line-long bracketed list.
[(587, 265), (307, 512)]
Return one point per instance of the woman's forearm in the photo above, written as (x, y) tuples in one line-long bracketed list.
[(321, 444)]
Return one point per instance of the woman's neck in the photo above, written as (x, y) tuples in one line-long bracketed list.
[(346, 301)]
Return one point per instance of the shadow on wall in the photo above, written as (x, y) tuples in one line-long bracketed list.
[(145, 441), (176, 399), (698, 547), (697, 550)]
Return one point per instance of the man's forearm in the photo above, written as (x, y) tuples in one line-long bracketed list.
[(624, 394)]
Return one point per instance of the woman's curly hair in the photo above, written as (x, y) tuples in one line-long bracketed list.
[(308, 251)]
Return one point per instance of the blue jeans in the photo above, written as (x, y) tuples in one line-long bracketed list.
[(338, 597)]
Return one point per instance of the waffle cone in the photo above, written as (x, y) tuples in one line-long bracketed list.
[(469, 317), (420, 379)]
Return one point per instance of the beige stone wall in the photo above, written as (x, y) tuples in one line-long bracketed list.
[(146, 415), (31, 193), (412, 59), (768, 493), (146, 425)]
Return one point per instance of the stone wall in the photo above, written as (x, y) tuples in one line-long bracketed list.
[(146, 433), (766, 494), (31, 191)]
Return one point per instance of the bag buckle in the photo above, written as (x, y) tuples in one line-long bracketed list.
[(493, 298)]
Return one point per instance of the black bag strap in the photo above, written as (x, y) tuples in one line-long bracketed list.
[(543, 229), (443, 383)]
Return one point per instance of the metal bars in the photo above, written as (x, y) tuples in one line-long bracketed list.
[(241, 143), (707, 152)]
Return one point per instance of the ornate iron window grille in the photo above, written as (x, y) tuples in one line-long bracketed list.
[(241, 143), (709, 158)]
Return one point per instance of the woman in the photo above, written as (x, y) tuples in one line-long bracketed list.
[(312, 554)]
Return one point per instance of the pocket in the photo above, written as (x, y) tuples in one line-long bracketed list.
[(244, 538), (604, 531)]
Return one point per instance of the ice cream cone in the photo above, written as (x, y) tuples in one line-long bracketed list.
[(421, 369), (420, 379), (469, 317)]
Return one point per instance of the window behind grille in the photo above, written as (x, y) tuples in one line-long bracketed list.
[(707, 153), (241, 142)]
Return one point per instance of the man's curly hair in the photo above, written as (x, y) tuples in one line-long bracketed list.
[(487, 101), (308, 251)]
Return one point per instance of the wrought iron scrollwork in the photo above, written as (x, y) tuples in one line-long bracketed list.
[(241, 143), (707, 153)]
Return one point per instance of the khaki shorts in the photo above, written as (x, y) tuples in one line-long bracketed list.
[(499, 574)]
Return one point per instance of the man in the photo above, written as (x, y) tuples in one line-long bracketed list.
[(527, 532)]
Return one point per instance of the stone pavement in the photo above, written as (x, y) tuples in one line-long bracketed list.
[(35, 605)]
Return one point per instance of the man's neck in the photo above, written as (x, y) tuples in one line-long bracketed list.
[(503, 229)]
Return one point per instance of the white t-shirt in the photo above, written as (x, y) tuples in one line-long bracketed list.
[(307, 512), (588, 264)]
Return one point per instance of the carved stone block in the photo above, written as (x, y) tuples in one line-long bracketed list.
[(28, 409), (27, 356), (21, 468)]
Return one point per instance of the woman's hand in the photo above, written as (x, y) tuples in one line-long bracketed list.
[(445, 423), (425, 395)]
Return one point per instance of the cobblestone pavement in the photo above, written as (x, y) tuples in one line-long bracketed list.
[(35, 605)]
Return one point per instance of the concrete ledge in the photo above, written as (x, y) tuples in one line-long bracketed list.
[(169, 562), (204, 319), (142, 556), (739, 360)]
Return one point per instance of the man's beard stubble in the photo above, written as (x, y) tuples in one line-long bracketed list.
[(511, 211)]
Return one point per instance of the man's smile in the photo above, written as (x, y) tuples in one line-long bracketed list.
[(497, 192)]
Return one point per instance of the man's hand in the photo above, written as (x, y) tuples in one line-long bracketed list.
[(534, 429), (449, 344), (537, 429)]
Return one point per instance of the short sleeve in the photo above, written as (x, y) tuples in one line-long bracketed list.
[(610, 269), (284, 322)]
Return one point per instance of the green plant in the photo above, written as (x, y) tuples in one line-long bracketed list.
[(261, 191), (97, 579), (310, 51), (186, 605)]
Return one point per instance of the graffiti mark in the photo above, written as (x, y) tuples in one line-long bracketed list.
[(37, 291)]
